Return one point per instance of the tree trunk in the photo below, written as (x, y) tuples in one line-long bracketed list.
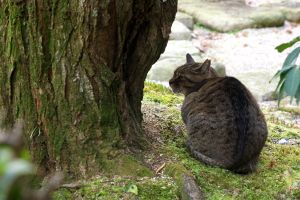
[(74, 72)]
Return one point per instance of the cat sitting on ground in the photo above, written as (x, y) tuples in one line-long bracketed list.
[(225, 126)]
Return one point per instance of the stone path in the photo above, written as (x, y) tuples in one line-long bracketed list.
[(230, 15), (246, 54)]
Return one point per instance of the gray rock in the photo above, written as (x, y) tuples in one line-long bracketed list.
[(185, 19), (267, 18), (289, 8), (286, 103), (258, 84), (233, 15), (283, 141), (179, 48), (220, 68), (190, 189), (291, 14), (179, 31), (163, 70)]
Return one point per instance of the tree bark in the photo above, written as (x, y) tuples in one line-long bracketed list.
[(74, 72)]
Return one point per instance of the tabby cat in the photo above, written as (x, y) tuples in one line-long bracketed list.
[(225, 126)]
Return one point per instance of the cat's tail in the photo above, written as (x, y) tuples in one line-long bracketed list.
[(201, 157), (240, 102)]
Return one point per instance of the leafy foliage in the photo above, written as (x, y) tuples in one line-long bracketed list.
[(290, 73), (10, 169), (160, 94), (132, 188), (15, 164), (284, 46)]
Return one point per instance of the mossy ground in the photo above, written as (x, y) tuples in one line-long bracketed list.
[(277, 176)]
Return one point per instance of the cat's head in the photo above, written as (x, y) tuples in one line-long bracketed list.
[(190, 74)]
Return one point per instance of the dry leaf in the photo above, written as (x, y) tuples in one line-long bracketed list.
[(245, 34), (194, 35), (271, 165), (294, 24), (200, 37), (217, 36), (289, 31), (213, 59), (206, 44), (202, 50), (160, 168)]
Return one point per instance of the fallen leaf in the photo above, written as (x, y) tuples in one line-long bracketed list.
[(245, 34), (202, 50), (132, 188), (200, 37), (294, 24), (160, 168), (194, 35), (206, 44), (213, 59), (271, 165), (217, 36), (289, 31)]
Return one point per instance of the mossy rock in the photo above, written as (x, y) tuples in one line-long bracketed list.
[(188, 186)]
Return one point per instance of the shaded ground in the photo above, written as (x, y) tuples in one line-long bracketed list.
[(277, 176)]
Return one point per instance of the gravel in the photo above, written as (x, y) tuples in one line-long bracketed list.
[(248, 50)]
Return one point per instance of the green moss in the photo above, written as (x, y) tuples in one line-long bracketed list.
[(290, 110), (126, 165), (121, 169), (177, 171), (268, 182), (113, 187), (160, 94)]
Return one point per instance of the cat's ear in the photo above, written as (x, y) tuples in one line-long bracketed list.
[(189, 58), (204, 67)]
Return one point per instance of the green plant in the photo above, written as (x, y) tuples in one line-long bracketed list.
[(15, 164), (290, 73)]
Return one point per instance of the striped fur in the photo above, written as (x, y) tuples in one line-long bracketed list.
[(225, 126)]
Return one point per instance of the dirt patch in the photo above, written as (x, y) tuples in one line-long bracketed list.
[(160, 130)]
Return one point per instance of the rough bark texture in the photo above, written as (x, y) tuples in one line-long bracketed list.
[(74, 71)]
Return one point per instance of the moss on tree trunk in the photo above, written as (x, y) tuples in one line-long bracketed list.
[(74, 71)]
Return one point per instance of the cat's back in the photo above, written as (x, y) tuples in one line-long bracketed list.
[(219, 94), (225, 126), (222, 108)]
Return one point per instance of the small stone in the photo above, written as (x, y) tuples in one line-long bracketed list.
[(283, 141)]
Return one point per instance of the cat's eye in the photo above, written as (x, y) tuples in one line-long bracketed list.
[(180, 77)]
